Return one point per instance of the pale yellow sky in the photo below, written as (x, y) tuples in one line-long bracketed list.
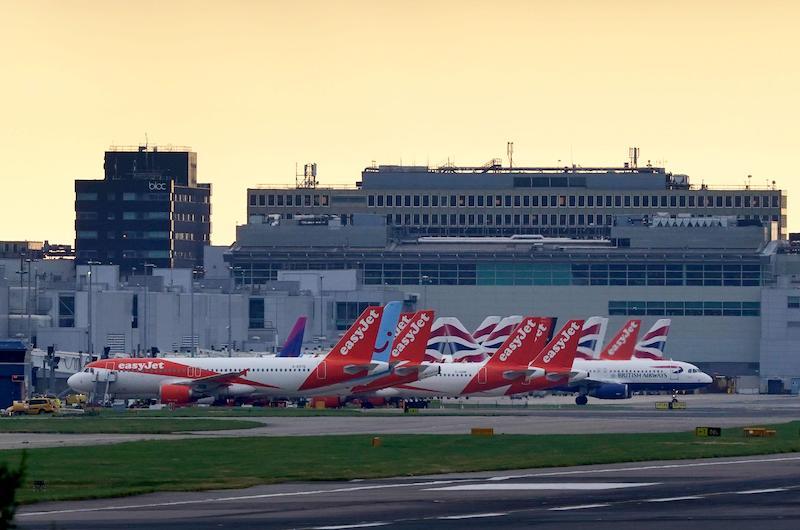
[(708, 88)]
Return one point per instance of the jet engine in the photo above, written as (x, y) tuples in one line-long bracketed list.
[(175, 394), (611, 391)]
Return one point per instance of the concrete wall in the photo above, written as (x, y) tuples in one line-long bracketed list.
[(780, 336)]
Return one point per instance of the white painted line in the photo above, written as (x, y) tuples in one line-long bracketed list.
[(755, 492), (647, 468), (238, 498), (671, 499), (584, 486), (345, 526), (578, 507), (473, 516)]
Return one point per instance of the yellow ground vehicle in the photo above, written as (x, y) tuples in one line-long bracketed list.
[(76, 400), (39, 405)]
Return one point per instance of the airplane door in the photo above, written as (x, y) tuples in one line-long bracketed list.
[(482, 376), (192, 371), (321, 370)]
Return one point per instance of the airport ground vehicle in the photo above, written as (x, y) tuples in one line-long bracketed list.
[(33, 406)]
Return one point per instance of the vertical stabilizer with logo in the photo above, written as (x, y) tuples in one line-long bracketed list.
[(386, 333), (620, 347), (510, 361), (557, 357), (408, 351), (592, 337), (485, 328), (294, 342), (501, 332), (654, 341), (449, 337), (352, 355)]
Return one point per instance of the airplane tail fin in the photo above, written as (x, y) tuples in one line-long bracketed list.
[(294, 342), (524, 344), (592, 337), (501, 332), (410, 342), (621, 346), (485, 328), (386, 331), (654, 341), (557, 357), (358, 342), (449, 336)]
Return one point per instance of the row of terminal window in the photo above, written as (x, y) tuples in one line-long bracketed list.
[(576, 201), (663, 308), (143, 216), (514, 219), (316, 199), (134, 196)]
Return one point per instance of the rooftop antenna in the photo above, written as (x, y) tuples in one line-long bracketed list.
[(308, 178), (510, 151), (633, 154), (749, 178)]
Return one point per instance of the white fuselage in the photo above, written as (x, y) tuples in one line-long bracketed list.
[(643, 373), (450, 382), (265, 376)]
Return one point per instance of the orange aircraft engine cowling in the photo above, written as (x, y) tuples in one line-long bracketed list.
[(176, 394)]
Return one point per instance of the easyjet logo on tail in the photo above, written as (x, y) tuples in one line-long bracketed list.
[(414, 327), (566, 334), (623, 338), (357, 335), (525, 329)]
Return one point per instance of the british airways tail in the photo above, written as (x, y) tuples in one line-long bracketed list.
[(485, 328), (654, 341), (450, 337), (501, 332), (621, 346), (294, 342), (593, 335), (386, 332)]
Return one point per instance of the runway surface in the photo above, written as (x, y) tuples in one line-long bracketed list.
[(635, 415), (735, 492)]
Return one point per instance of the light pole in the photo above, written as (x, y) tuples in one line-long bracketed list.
[(424, 281), (89, 338), (321, 309), (28, 303), (22, 272), (230, 302), (146, 293)]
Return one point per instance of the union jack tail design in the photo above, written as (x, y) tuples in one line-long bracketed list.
[(654, 341), (450, 337), (485, 328), (593, 335), (501, 332)]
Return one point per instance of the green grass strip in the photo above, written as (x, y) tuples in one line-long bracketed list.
[(200, 464)]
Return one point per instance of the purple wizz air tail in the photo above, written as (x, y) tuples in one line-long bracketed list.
[(450, 340), (593, 335), (294, 342), (654, 341)]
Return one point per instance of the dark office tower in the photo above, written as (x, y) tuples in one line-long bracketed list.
[(149, 208)]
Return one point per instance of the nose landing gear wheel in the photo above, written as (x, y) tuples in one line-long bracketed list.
[(581, 400)]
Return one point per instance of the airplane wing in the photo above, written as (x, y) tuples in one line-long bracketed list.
[(528, 373), (212, 380), (353, 369)]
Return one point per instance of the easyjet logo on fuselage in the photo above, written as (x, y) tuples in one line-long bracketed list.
[(357, 335), (413, 330), (141, 366), (522, 332), (562, 342), (626, 333)]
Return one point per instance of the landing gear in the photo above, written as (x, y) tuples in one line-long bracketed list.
[(581, 399)]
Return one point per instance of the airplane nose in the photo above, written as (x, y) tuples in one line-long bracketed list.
[(74, 381)]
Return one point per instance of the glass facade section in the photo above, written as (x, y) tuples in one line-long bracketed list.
[(680, 308)]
